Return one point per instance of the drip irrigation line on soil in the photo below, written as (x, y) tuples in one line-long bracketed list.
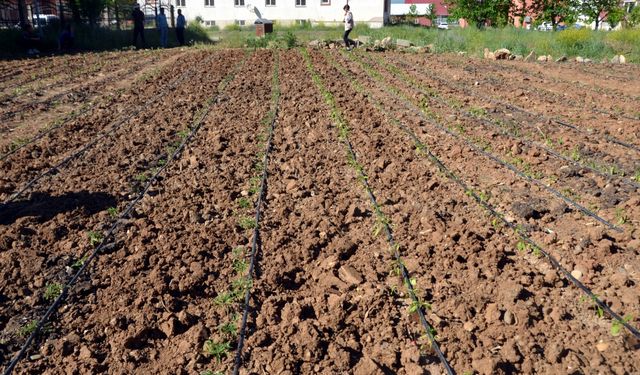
[(504, 132), (113, 129), (69, 91), (531, 114), (496, 159), (114, 227), (493, 212), (69, 118), (255, 242), (553, 79), (364, 179)]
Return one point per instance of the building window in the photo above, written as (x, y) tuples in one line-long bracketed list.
[(270, 3), (239, 3), (301, 3), (325, 2), (240, 22), (209, 3), (209, 23), (180, 3)]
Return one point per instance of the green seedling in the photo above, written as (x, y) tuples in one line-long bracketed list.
[(483, 196), (247, 223), (218, 350), (113, 212), (240, 266), (478, 111), (94, 238), (142, 177), (184, 133), (225, 298), (210, 372), (52, 291), (575, 154), (28, 328), (418, 305), (240, 286), (80, 262), (162, 163), (244, 202), (229, 329), (594, 303), (621, 216), (636, 176), (616, 325), (522, 246)]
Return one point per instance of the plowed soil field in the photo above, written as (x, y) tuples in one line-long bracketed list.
[(195, 211)]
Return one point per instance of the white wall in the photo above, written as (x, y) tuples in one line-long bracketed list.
[(225, 12)]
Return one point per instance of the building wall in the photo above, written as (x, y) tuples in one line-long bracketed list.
[(224, 12)]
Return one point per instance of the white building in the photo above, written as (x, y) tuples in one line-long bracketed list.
[(225, 12)]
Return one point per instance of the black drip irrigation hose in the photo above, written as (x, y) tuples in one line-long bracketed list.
[(535, 115), (504, 132), (113, 129), (111, 232), (569, 101), (406, 277), (499, 161), (519, 232), (69, 118), (256, 231)]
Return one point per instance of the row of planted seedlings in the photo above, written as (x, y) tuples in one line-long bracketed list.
[(563, 139), (510, 72), (34, 70), (102, 241), (416, 305), (458, 131), (556, 117), (86, 109), (531, 161), (70, 72), (501, 224), (504, 123), (234, 302), (526, 242), (15, 112), (35, 169)]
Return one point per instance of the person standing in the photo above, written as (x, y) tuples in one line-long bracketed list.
[(181, 23), (138, 25), (348, 27), (163, 26)]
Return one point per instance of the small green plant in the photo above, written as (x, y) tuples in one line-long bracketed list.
[(616, 325), (229, 329), (217, 350), (183, 133), (94, 238), (418, 305), (240, 266), (28, 328), (80, 262), (636, 176), (225, 298), (113, 212), (52, 291), (621, 216), (478, 111), (142, 177), (575, 154), (247, 223), (594, 304), (210, 372), (522, 246)]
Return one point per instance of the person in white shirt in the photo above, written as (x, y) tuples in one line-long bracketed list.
[(163, 26), (181, 23), (348, 27)]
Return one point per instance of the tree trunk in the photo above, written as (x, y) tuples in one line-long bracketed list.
[(22, 12), (117, 10)]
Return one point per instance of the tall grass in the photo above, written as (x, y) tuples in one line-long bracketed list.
[(591, 44)]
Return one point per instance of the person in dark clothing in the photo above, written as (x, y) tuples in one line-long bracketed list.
[(181, 22), (66, 39), (30, 40), (138, 25), (348, 27)]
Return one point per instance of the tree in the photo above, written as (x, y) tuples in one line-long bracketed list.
[(597, 10), (555, 10), (633, 18), (413, 14), (496, 12), (615, 16), (91, 9), (431, 15)]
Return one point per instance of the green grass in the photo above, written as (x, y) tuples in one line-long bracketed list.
[(595, 45)]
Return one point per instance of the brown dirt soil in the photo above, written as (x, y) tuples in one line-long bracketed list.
[(324, 298)]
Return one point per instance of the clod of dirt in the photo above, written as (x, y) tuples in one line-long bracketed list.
[(349, 275)]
